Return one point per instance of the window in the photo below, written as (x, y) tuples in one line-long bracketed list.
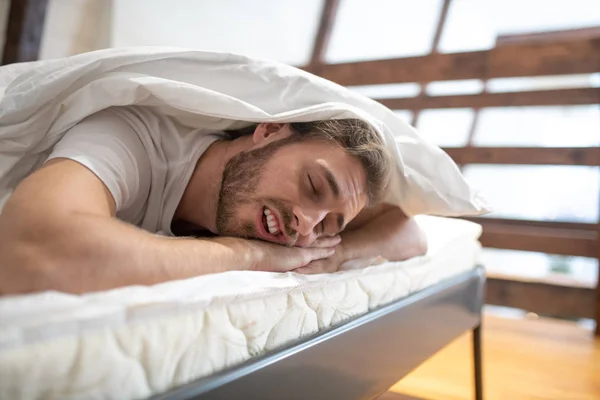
[(543, 82), (388, 91), (548, 126), (562, 193), (379, 29), (518, 16), (447, 88), (446, 127), (582, 271), (469, 26)]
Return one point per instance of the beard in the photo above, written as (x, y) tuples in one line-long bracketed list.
[(241, 177)]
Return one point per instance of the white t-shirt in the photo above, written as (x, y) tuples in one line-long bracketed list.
[(144, 158)]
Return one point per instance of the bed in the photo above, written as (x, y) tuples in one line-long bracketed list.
[(250, 335)]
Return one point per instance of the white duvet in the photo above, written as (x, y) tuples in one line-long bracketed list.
[(133, 342), (39, 101)]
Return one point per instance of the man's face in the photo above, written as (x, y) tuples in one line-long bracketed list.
[(288, 191)]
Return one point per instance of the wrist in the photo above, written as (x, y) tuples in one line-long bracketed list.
[(240, 253), (342, 253)]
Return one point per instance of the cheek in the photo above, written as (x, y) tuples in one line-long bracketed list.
[(306, 241), (278, 184)]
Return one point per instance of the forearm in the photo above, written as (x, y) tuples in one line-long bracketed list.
[(93, 253), (390, 235)]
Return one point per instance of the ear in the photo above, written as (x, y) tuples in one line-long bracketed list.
[(267, 132)]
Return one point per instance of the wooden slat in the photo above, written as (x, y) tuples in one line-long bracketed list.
[(554, 279), (532, 223), (330, 8), (589, 156), (571, 57), (513, 99), (440, 25), (541, 298), (434, 49), (473, 127), (550, 36), (597, 307), (24, 30), (572, 242), (597, 310), (413, 69)]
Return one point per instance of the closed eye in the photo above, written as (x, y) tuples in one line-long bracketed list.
[(312, 185)]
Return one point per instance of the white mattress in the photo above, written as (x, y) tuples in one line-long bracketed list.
[(137, 341)]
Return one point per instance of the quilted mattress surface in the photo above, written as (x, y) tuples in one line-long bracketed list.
[(133, 342)]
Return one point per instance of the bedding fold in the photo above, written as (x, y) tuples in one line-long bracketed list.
[(39, 101)]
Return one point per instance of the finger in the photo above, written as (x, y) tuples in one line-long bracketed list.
[(310, 269), (327, 241), (324, 266), (317, 253)]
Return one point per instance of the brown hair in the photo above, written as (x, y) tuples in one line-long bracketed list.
[(358, 138)]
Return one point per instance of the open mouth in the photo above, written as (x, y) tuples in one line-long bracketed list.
[(271, 227), (271, 222)]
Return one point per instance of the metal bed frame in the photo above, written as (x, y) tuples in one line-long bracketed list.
[(361, 358)]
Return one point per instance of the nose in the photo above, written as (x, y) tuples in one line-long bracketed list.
[(305, 220)]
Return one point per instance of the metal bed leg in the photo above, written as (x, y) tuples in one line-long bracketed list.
[(477, 363)]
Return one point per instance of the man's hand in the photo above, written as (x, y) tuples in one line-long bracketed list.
[(272, 257), (381, 231), (325, 265)]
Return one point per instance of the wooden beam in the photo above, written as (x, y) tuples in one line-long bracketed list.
[(413, 69), (328, 15), (24, 31), (572, 242), (512, 99), (550, 36), (582, 226), (541, 298), (473, 127), (597, 305), (434, 49), (589, 156), (440, 26), (570, 57)]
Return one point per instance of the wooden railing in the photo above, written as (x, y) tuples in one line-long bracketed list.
[(569, 54), (510, 99), (510, 60)]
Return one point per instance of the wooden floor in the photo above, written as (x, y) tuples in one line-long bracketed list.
[(523, 359)]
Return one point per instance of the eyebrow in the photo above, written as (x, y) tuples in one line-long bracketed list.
[(335, 188)]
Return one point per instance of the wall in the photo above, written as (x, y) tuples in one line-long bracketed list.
[(281, 30), (76, 26)]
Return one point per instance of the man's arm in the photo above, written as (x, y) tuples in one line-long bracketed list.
[(58, 232), (385, 231), (380, 231)]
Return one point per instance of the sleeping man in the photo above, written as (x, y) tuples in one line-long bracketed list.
[(129, 196)]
